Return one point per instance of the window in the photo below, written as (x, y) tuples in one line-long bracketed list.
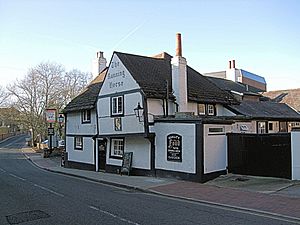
[(261, 127), (210, 110), (117, 106), (86, 116), (270, 126), (117, 147), (201, 109), (216, 130), (78, 143)]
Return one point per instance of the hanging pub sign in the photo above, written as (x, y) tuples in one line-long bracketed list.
[(174, 147), (51, 115)]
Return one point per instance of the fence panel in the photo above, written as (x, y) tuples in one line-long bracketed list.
[(260, 154)]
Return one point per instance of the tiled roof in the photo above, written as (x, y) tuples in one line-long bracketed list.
[(229, 85), (85, 100), (152, 73), (290, 97), (266, 110)]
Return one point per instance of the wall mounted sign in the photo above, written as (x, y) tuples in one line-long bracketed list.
[(50, 131), (174, 147), (118, 123)]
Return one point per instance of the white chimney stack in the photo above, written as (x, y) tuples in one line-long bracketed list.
[(179, 77), (99, 64), (232, 72)]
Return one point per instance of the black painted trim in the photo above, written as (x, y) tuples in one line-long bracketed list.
[(118, 93), (81, 135), (120, 135), (79, 165), (199, 151)]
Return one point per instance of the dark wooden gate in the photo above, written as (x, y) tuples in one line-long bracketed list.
[(260, 154)]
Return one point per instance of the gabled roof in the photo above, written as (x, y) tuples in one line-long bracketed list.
[(253, 76), (266, 110), (87, 99), (229, 85), (290, 97), (151, 75)]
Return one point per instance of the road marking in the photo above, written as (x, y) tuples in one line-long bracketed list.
[(113, 215), (47, 189), (15, 176), (2, 170)]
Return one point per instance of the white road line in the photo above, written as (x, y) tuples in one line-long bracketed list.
[(2, 170), (15, 176), (47, 189), (113, 215)]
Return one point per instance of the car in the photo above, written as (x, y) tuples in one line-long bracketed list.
[(61, 143)]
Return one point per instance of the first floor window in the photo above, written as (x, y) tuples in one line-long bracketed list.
[(86, 116), (261, 127), (117, 105), (201, 109), (210, 110), (117, 147), (78, 143)]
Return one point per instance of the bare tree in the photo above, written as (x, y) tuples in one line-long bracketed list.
[(3, 96), (47, 85)]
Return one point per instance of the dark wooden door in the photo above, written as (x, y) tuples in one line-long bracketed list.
[(101, 154)]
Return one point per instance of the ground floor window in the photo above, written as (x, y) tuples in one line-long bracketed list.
[(78, 143), (117, 147)]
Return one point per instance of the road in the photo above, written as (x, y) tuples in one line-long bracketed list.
[(30, 195)]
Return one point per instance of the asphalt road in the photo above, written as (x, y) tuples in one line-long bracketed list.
[(29, 195)]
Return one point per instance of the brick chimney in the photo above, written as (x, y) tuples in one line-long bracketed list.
[(99, 64), (179, 76)]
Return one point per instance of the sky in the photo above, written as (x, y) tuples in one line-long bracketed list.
[(263, 36)]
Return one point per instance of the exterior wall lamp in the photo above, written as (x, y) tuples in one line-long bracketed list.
[(139, 112)]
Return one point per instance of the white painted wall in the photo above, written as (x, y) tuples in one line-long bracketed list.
[(179, 81), (141, 149), (155, 108), (86, 155), (187, 131), (118, 78), (295, 148), (215, 149), (275, 127), (74, 125), (130, 123)]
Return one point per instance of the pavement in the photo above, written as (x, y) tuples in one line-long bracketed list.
[(259, 195)]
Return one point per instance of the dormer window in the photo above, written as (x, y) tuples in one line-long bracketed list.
[(86, 116), (206, 110), (117, 106), (210, 110)]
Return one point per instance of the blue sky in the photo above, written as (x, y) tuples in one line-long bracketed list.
[(263, 36)]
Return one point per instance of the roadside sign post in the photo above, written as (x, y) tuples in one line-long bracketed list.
[(51, 118)]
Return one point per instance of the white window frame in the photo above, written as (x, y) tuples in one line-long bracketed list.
[(86, 116), (117, 105), (117, 147), (78, 143), (210, 110), (261, 129)]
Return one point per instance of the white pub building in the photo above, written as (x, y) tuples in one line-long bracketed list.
[(173, 119)]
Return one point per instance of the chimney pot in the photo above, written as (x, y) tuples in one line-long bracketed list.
[(230, 64), (178, 45), (233, 64)]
